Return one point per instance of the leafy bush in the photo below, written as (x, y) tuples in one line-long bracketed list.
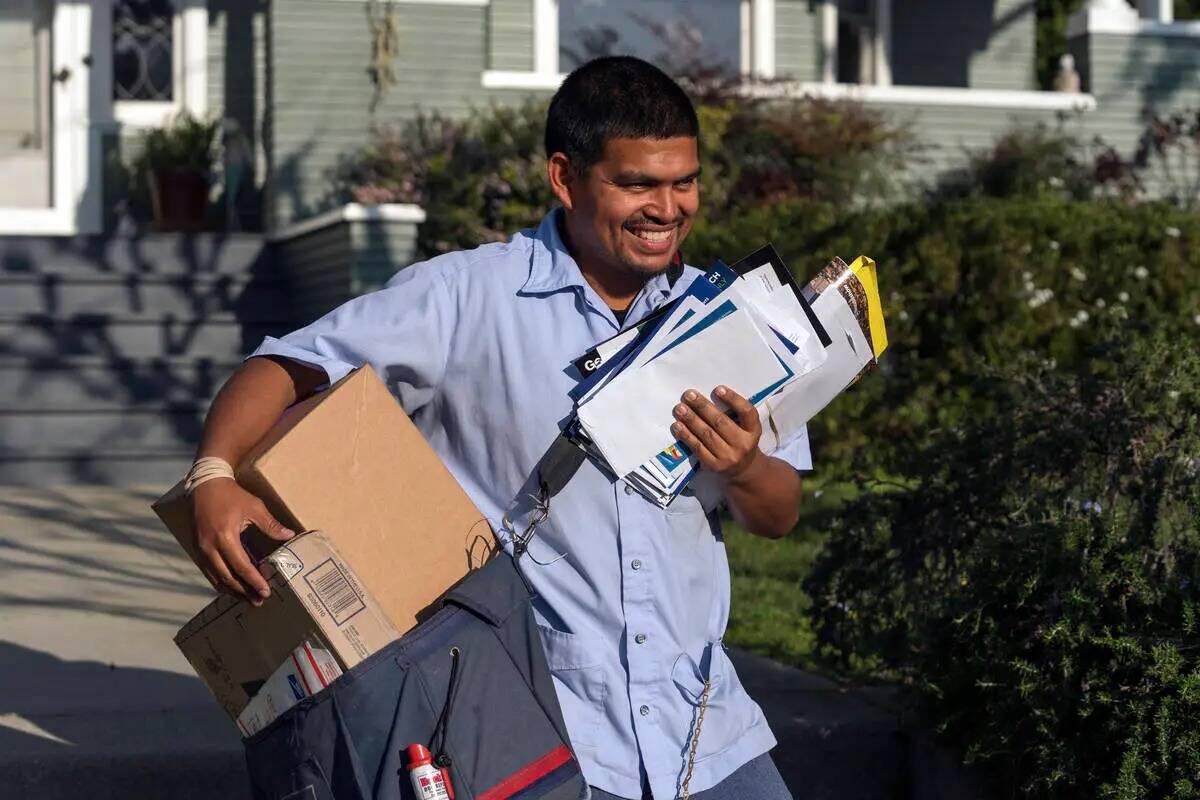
[(1025, 162), (187, 142), (761, 153), (1037, 573), (977, 281), (1169, 151), (479, 178), (483, 177)]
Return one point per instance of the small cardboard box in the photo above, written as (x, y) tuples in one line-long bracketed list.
[(350, 462), (315, 596)]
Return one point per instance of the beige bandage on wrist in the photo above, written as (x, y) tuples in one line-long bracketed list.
[(207, 469)]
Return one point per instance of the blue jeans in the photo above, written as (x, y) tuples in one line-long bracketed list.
[(757, 778)]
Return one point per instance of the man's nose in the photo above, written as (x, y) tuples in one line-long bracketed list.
[(663, 207)]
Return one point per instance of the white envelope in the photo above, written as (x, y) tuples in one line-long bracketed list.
[(630, 419), (846, 355)]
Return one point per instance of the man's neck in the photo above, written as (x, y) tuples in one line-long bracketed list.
[(617, 289)]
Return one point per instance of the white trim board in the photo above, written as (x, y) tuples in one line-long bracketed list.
[(1092, 21), (429, 2), (352, 212), (502, 79), (758, 14), (864, 93), (927, 96)]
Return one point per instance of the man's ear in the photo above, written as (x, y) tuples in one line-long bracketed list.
[(562, 179)]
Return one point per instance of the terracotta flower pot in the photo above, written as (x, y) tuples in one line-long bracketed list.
[(180, 198)]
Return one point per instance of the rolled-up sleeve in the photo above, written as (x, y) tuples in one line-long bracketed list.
[(402, 331), (796, 451)]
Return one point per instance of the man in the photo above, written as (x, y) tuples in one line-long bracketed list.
[(632, 599)]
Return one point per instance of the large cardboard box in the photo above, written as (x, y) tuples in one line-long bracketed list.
[(350, 462), (315, 597)]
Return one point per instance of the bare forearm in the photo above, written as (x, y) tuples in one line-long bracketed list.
[(765, 498), (249, 404)]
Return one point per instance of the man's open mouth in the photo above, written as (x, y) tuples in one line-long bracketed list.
[(652, 236)]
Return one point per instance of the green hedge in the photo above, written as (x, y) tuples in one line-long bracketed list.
[(979, 281), (1036, 574)]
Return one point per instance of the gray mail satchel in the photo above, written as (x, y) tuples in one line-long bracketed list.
[(470, 683)]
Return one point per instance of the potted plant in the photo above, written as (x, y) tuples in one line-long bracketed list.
[(174, 163)]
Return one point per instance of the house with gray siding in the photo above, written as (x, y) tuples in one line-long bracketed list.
[(114, 336)]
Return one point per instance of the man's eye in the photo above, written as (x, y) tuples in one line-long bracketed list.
[(686, 183)]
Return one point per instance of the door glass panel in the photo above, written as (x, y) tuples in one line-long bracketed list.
[(143, 50), (25, 140)]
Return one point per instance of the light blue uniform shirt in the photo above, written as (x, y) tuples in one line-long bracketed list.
[(632, 599)]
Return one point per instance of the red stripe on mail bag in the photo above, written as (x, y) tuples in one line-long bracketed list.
[(528, 774)]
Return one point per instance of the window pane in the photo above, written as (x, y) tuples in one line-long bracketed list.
[(681, 36), (142, 49)]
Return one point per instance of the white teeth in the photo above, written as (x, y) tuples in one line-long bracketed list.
[(654, 236)]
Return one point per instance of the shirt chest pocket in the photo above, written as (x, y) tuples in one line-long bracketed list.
[(692, 516), (578, 673)]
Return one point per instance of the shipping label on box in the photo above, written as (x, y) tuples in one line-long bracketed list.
[(315, 597)]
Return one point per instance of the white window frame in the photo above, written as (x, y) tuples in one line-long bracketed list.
[(758, 60), (881, 44), (189, 69)]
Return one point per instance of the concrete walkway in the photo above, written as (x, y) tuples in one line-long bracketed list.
[(95, 700)]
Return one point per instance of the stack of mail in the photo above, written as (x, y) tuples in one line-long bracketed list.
[(748, 327)]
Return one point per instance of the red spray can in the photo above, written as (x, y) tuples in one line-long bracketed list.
[(428, 782)]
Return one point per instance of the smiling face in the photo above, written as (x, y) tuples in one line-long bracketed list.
[(629, 212)]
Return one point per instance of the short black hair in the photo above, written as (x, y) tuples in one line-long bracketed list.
[(615, 97)]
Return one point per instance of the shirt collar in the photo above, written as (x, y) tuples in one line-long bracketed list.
[(552, 267)]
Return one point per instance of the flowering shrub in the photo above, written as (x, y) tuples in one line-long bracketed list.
[(1035, 573), (483, 177)]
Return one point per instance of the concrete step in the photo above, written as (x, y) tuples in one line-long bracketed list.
[(131, 293), (50, 466), (158, 253), (220, 335), (100, 383), (151, 427)]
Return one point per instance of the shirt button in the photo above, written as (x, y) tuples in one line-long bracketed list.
[(636, 563), (640, 638), (644, 710), (629, 489)]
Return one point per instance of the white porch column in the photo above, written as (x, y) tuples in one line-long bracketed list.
[(762, 34), (1158, 10), (882, 45), (545, 26), (193, 58), (829, 41)]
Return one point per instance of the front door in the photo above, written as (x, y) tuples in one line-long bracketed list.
[(47, 183), (25, 94)]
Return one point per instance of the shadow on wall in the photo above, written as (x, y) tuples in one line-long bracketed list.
[(126, 323)]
